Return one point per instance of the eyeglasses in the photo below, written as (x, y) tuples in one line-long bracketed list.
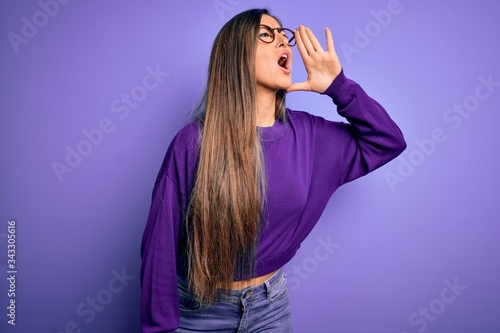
[(267, 34)]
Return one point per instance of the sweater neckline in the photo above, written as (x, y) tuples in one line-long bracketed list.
[(274, 132)]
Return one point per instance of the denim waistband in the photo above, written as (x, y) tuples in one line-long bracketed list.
[(261, 290)]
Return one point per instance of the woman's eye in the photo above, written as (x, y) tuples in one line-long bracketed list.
[(264, 34)]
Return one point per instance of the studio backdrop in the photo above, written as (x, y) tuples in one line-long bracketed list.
[(92, 92)]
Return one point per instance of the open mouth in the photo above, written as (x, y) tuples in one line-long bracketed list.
[(283, 61)]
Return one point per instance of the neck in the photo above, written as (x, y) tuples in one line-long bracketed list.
[(266, 108)]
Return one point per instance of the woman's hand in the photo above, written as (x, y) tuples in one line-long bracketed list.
[(322, 66)]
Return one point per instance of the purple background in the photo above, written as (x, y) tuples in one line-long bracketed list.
[(394, 247)]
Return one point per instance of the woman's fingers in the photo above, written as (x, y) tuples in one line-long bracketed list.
[(330, 46), (309, 42), (305, 38), (321, 66), (300, 44), (302, 86), (314, 42)]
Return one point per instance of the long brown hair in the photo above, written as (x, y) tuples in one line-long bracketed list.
[(226, 204)]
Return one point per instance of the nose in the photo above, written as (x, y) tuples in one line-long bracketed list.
[(282, 40)]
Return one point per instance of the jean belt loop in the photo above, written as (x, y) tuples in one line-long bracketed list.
[(268, 289)]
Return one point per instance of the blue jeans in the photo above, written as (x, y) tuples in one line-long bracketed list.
[(261, 308)]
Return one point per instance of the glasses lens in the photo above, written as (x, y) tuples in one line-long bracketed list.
[(266, 34)]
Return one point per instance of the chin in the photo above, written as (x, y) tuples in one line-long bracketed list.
[(285, 85)]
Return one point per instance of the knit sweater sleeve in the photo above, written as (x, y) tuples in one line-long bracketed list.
[(159, 298), (159, 306), (371, 138)]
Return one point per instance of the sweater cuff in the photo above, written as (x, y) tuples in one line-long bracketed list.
[(338, 90)]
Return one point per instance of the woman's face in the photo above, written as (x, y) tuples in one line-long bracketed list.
[(273, 62)]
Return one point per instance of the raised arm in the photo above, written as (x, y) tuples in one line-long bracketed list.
[(371, 138)]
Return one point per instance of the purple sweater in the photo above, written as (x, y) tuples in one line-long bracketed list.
[(306, 158)]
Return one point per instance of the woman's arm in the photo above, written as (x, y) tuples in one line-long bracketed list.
[(160, 242), (371, 138), (159, 296)]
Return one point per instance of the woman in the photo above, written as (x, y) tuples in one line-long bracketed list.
[(244, 183)]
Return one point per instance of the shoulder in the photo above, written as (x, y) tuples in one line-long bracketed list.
[(305, 120), (300, 118), (316, 129), (182, 153), (188, 136)]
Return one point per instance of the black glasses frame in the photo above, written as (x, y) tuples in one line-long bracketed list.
[(291, 41)]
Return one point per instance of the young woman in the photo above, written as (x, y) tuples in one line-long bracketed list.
[(244, 183)]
